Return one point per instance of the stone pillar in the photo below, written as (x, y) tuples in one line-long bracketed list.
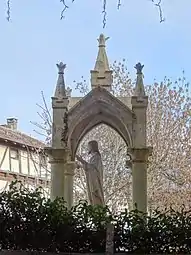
[(139, 177), (139, 151), (68, 187), (57, 178), (58, 159)]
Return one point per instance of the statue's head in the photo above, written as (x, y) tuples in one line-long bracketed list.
[(93, 146)]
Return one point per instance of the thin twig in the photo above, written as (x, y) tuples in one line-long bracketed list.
[(158, 5), (39, 133), (8, 10), (46, 107), (40, 126), (64, 9), (119, 4), (41, 116), (104, 13)]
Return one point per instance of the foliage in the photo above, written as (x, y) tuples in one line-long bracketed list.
[(28, 221)]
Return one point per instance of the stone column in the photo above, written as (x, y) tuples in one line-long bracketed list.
[(58, 159), (68, 187), (139, 177), (57, 178)]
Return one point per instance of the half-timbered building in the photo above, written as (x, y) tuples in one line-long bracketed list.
[(22, 158)]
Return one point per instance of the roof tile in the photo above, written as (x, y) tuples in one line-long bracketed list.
[(20, 138)]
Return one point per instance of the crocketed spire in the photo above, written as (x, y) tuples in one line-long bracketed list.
[(139, 87), (102, 75)]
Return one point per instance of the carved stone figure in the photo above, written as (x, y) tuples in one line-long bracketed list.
[(68, 92), (94, 174)]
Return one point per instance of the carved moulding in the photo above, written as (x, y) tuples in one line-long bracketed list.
[(98, 107), (62, 155), (139, 155)]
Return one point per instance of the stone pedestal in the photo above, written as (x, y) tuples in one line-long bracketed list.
[(139, 158)]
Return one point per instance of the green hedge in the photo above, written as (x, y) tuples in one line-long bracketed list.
[(30, 222)]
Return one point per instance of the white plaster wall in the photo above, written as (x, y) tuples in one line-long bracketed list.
[(15, 165), (4, 185), (24, 162), (34, 167)]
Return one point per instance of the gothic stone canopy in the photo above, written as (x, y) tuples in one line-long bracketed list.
[(98, 107), (72, 121)]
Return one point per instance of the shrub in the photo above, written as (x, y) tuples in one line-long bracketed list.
[(28, 221)]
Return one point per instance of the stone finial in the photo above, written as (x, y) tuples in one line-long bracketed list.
[(68, 92), (101, 40), (139, 68), (102, 63), (61, 68), (139, 87), (60, 91), (101, 75)]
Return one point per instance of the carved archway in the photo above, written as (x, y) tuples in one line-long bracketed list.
[(98, 107)]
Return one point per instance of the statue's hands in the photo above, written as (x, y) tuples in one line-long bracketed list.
[(80, 159)]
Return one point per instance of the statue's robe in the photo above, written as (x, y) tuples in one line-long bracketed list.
[(94, 179)]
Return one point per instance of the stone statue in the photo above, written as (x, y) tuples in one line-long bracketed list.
[(94, 174)]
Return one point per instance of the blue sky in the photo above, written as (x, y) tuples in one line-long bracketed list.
[(36, 39)]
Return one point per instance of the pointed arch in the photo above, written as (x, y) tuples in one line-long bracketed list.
[(98, 107)]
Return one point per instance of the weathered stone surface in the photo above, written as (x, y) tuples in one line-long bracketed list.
[(75, 100)]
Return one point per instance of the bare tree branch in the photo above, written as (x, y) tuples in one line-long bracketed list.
[(104, 9), (64, 9), (8, 10), (158, 5)]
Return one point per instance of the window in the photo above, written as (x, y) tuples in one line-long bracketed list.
[(14, 153)]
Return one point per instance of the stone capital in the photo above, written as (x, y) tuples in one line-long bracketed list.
[(140, 155), (69, 167), (58, 155), (139, 101)]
